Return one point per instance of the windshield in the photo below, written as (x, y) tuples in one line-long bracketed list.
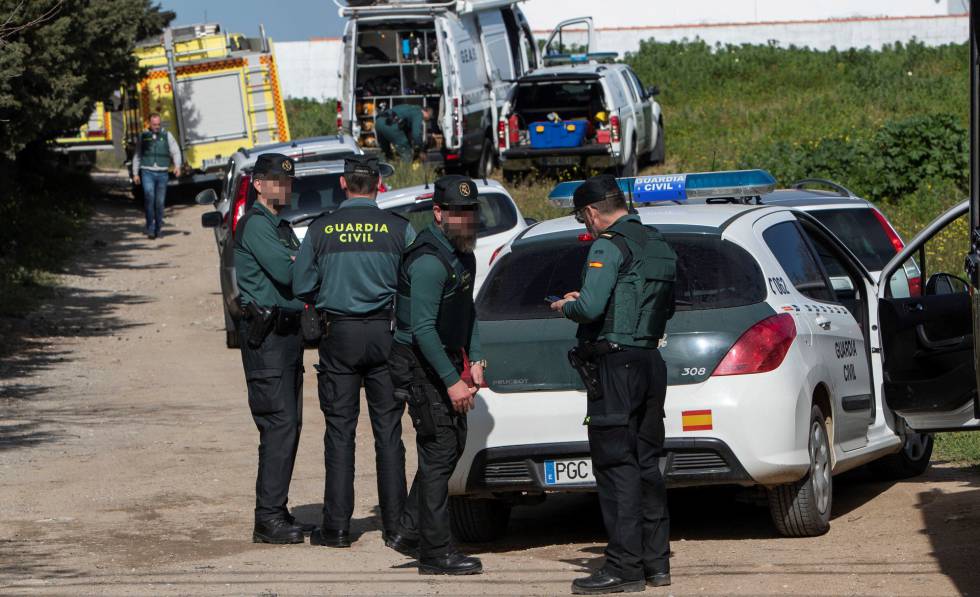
[(311, 195), (497, 214), (861, 232), (711, 274)]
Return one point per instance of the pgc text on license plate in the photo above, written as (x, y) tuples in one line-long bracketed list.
[(568, 472)]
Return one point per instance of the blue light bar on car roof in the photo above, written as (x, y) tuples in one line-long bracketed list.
[(737, 184)]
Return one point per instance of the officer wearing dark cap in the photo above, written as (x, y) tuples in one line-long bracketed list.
[(436, 365), (348, 267), (626, 298), (272, 349)]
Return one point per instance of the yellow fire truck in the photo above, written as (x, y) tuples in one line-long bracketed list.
[(227, 96), (79, 146)]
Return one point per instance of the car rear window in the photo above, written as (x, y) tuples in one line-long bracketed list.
[(711, 274), (861, 232), (497, 214)]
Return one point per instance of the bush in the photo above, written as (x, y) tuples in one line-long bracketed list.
[(310, 118)]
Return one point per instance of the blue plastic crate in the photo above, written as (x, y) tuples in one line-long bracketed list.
[(549, 135)]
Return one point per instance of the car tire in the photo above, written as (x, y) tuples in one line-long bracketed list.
[(478, 520), (658, 154), (485, 166), (802, 508), (629, 168), (911, 461)]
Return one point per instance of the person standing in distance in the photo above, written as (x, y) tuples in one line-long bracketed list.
[(271, 344), (436, 365), (627, 296), (401, 126), (156, 152), (348, 267)]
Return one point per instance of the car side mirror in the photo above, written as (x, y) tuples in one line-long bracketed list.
[(211, 219), (206, 197), (653, 91), (943, 283)]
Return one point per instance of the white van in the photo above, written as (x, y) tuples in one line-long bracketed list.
[(460, 57)]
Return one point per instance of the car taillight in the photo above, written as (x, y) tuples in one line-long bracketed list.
[(614, 126), (893, 237), (382, 188), (762, 348), (457, 123), (915, 286), (502, 134), (340, 116), (238, 209), (585, 237), (495, 253), (515, 133)]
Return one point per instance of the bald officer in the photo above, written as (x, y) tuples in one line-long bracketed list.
[(348, 266)]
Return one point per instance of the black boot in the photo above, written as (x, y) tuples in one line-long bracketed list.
[(453, 564), (306, 527), (330, 538), (602, 582), (276, 530), (660, 579), (402, 544)]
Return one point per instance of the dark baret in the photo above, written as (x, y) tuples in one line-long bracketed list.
[(272, 165), (455, 190)]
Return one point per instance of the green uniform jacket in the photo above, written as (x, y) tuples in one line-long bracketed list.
[(603, 278), (412, 115), (265, 245), (348, 261), (429, 280)]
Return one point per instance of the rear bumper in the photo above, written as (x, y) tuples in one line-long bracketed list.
[(525, 158), (686, 462)]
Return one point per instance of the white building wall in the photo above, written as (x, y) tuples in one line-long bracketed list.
[(310, 68)]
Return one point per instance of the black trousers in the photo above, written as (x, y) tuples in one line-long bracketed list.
[(274, 376), (626, 462), (426, 514), (357, 351)]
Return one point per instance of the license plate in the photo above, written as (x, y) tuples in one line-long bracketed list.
[(568, 472), (562, 160), (213, 163)]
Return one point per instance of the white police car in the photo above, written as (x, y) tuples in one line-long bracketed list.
[(777, 376)]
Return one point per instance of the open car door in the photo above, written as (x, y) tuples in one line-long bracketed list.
[(558, 45), (927, 342)]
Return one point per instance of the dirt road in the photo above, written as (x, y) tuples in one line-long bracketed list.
[(127, 459)]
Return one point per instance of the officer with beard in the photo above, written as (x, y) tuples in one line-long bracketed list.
[(436, 366)]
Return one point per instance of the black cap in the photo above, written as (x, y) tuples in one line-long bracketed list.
[(368, 165), (455, 190), (269, 165), (596, 189)]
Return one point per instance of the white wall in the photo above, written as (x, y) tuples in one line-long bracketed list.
[(309, 68)]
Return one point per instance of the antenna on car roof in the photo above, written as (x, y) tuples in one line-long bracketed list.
[(425, 173)]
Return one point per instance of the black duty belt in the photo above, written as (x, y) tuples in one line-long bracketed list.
[(380, 315)]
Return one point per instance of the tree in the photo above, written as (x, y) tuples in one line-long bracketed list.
[(59, 57)]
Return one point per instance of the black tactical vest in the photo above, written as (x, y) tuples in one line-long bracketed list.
[(456, 312)]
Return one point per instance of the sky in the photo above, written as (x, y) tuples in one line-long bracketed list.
[(284, 20)]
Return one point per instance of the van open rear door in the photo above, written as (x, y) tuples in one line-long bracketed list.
[(346, 101), (973, 259)]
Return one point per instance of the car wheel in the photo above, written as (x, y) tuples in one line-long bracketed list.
[(802, 509), (658, 155), (629, 168), (911, 461), (477, 520), (484, 168)]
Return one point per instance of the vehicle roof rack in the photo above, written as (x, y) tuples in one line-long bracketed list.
[(732, 186), (841, 189), (396, 7)]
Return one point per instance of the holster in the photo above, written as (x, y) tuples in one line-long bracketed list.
[(422, 400), (261, 321), (584, 358), (310, 325)]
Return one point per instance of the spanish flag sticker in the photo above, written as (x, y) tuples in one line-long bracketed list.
[(595, 264), (696, 420)]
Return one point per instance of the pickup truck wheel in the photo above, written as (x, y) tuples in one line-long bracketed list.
[(629, 168), (802, 508), (477, 520), (911, 461), (658, 154), (485, 166)]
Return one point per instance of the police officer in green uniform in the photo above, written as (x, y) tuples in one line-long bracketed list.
[(436, 365), (272, 347), (626, 298), (348, 266), (401, 126)]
